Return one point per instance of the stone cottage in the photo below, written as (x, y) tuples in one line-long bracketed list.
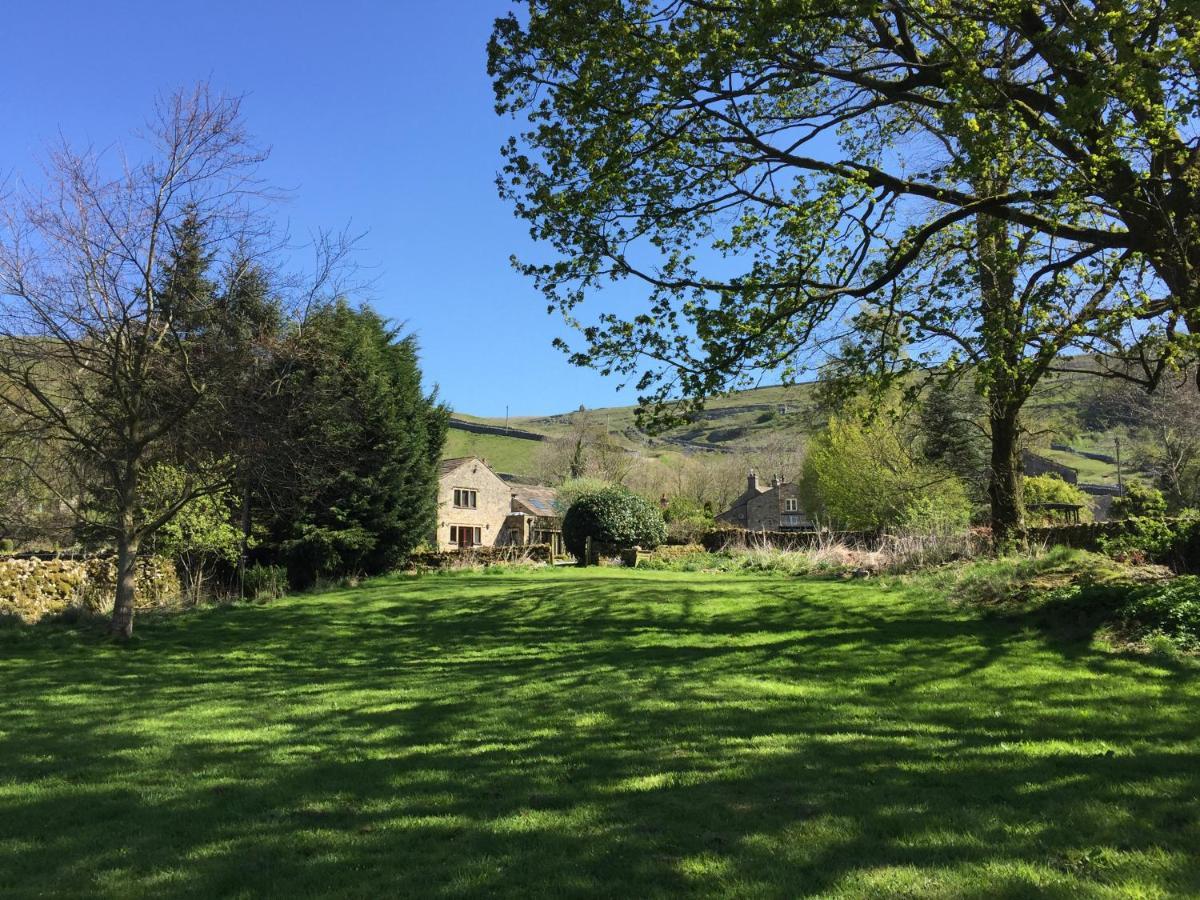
[(478, 508), (776, 508)]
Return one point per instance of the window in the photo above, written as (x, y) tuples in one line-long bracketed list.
[(791, 505), (789, 521), (466, 535), (464, 498)]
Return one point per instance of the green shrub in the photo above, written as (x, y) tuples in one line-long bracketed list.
[(264, 582), (1050, 488), (1139, 501), (1175, 543), (860, 474), (687, 521), (1170, 609), (615, 519)]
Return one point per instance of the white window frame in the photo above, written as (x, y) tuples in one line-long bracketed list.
[(476, 534), (791, 505), (466, 498)]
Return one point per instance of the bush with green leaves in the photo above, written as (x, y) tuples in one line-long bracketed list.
[(1139, 501), (1168, 608), (1050, 488), (687, 520), (615, 519), (860, 474), (264, 582), (1174, 543), (201, 538)]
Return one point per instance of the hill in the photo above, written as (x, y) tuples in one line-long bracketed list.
[(780, 416)]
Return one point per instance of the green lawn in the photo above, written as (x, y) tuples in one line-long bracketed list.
[(602, 732)]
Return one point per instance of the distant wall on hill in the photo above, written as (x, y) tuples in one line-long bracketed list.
[(480, 428)]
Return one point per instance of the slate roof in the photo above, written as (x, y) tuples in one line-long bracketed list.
[(539, 500), (446, 466)]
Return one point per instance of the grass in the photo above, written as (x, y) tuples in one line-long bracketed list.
[(600, 732), (515, 456)]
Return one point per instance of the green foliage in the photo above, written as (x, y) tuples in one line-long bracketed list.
[(1139, 501), (574, 488), (371, 439), (1065, 589), (951, 437), (687, 519), (264, 582), (1168, 608), (1050, 488), (1175, 543), (615, 519), (203, 527), (640, 189), (862, 475)]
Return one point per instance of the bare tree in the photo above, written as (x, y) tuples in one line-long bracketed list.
[(588, 450), (94, 361)]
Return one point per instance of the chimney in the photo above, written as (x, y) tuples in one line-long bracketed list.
[(776, 481), (752, 483)]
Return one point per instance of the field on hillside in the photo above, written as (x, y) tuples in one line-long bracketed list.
[(784, 416), (512, 456), (599, 733)]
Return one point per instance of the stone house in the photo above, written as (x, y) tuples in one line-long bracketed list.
[(776, 508), (478, 508)]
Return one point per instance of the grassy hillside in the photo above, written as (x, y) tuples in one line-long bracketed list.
[(504, 454), (774, 416), (595, 733)]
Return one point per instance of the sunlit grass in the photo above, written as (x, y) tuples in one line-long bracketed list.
[(598, 732)]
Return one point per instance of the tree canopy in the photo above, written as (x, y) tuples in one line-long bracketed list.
[(762, 167)]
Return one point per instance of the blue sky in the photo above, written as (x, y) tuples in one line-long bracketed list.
[(377, 113)]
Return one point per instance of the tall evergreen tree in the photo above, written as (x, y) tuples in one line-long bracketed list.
[(951, 435), (365, 488)]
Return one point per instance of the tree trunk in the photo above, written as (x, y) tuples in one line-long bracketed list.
[(244, 549), (122, 618), (1004, 482)]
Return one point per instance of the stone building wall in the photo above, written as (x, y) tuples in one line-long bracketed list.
[(493, 503), (766, 511)]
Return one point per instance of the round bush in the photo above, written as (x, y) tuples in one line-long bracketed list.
[(615, 520)]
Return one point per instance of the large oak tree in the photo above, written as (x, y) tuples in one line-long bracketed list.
[(764, 167)]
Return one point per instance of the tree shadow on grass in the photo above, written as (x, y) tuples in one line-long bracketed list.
[(567, 735)]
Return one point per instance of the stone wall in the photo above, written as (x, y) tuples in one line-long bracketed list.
[(480, 428), (481, 556), (33, 587)]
